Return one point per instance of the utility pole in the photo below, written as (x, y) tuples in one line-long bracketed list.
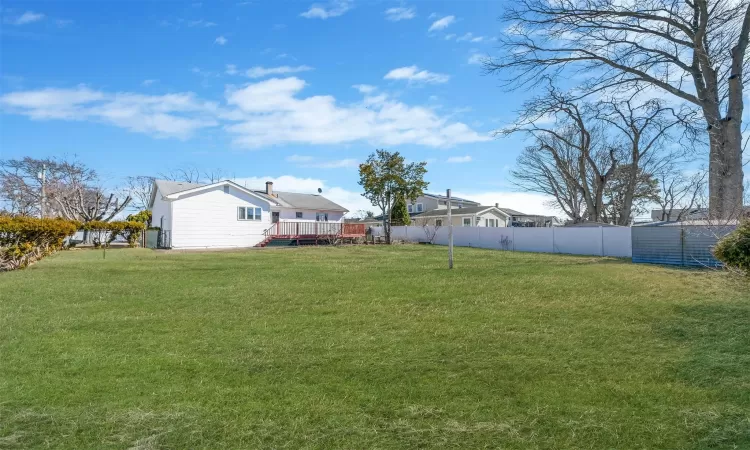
[(43, 177), (450, 231)]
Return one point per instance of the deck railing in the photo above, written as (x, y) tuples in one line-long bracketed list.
[(315, 229)]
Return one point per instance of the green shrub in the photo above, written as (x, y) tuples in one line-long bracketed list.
[(24, 240), (104, 233), (734, 249), (143, 216)]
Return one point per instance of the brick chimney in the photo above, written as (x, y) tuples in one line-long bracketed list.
[(269, 187), (497, 205)]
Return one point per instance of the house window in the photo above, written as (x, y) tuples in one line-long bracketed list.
[(467, 221), (438, 223), (321, 217), (249, 213), (491, 222), (410, 208), (226, 189), (298, 215), (420, 207)]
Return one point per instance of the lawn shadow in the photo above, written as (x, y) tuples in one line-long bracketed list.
[(716, 338)]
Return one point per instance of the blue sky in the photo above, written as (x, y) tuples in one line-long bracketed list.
[(298, 92)]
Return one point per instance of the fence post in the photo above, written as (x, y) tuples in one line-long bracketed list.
[(601, 242), (682, 245), (513, 237), (554, 246)]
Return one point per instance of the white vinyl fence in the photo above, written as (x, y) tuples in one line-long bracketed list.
[(598, 241)]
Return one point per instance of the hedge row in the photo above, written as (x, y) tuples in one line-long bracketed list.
[(106, 232), (24, 240)]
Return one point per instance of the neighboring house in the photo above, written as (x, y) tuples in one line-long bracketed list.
[(429, 202), (467, 216), (432, 209), (225, 214), (684, 214), (519, 219)]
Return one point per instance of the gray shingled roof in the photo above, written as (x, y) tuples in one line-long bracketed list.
[(167, 187), (512, 212), (284, 199), (454, 211), (443, 197)]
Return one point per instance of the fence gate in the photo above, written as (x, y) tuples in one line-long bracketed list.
[(164, 239)]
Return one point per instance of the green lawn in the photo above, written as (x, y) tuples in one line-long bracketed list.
[(370, 347)]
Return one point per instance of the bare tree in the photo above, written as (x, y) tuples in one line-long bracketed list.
[(628, 194), (583, 158), (693, 50), (140, 189), (430, 229), (680, 193), (187, 174), (21, 183), (642, 130), (553, 172), (87, 204)]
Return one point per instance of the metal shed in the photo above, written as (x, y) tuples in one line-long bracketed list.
[(678, 243)]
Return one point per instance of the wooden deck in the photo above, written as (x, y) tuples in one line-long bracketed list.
[(318, 231)]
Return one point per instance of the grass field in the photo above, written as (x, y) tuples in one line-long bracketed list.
[(370, 347)]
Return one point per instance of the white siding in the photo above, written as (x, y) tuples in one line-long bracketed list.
[(492, 214), (161, 209), (290, 215), (208, 219)]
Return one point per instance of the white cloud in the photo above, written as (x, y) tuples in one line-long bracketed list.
[(265, 113), (334, 8), (400, 13), (458, 159), (271, 113), (470, 38), (364, 88), (449, 37), (231, 69), (221, 40), (476, 58), (260, 72), (170, 115), (413, 74), (27, 18), (441, 24), (351, 200), (200, 23), (525, 202), (148, 82)]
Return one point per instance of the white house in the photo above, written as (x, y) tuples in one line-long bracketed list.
[(467, 216), (225, 214)]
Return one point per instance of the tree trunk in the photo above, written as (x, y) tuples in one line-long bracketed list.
[(725, 169)]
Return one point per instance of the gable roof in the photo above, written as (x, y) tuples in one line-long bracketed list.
[(468, 210), (443, 197), (512, 212), (302, 201), (283, 199)]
